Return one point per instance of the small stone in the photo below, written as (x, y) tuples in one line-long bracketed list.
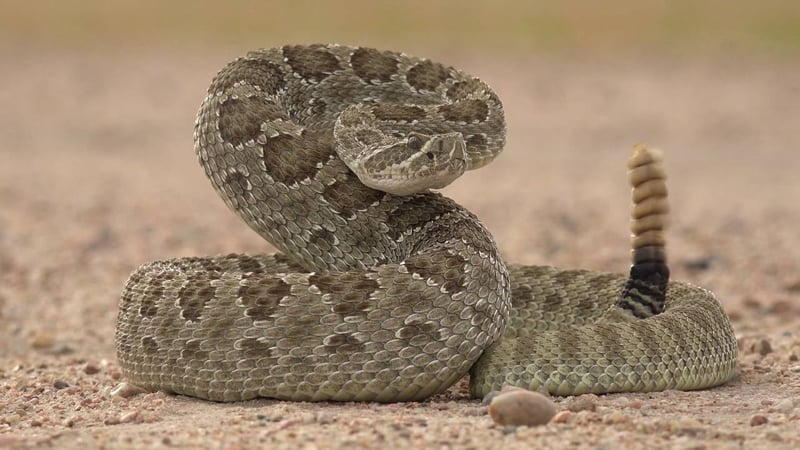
[(758, 420), (781, 307), (792, 285), (773, 436), (125, 390), (60, 384), (131, 416), (475, 411), (764, 347), (562, 416), (785, 406), (325, 418), (487, 399), (42, 341), (520, 407), (90, 369), (687, 427), (509, 430), (113, 420), (586, 402), (62, 348), (699, 264), (751, 303), (616, 417), (11, 419), (69, 421)]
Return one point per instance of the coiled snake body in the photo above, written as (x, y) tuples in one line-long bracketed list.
[(383, 290)]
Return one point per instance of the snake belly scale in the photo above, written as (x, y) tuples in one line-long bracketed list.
[(383, 290)]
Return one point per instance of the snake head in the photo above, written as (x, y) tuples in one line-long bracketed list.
[(414, 163)]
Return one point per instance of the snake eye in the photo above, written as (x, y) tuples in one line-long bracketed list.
[(429, 155), (414, 143)]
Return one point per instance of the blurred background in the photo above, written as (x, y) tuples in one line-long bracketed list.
[(98, 174), (508, 28)]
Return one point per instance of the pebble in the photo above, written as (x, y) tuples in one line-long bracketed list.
[(757, 420), (43, 341), (325, 418), (616, 417), (90, 369), (563, 416), (687, 427), (125, 390), (11, 419), (773, 436), (586, 402), (519, 407), (475, 411), (785, 406), (764, 347), (60, 384)]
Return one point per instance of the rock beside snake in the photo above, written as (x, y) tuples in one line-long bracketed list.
[(384, 290)]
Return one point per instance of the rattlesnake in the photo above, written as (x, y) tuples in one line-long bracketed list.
[(384, 290)]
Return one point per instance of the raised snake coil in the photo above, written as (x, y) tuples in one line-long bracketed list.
[(392, 294)]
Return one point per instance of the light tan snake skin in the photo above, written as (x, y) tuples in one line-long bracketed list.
[(393, 294)]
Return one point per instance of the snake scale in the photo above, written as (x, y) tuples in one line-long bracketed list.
[(384, 290)]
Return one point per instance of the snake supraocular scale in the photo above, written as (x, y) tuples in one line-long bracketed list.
[(384, 290)]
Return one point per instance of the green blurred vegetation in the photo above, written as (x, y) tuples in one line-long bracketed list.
[(770, 27)]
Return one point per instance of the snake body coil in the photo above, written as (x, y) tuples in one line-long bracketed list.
[(383, 290)]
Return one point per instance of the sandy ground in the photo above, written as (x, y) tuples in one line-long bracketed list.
[(97, 175)]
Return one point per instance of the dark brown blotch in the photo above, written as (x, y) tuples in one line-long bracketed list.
[(463, 89), (314, 63), (427, 76), (152, 295), (423, 266), (347, 195), (322, 239), (343, 344), (261, 297), (412, 218), (419, 329), (238, 182), (521, 295), (455, 274), (350, 291), (291, 159), (476, 140), (240, 119), (248, 264), (465, 111), (149, 345), (287, 264), (397, 112), (374, 65), (265, 75), (251, 344), (191, 350), (445, 269), (193, 298)]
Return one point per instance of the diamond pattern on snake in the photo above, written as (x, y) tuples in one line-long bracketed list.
[(384, 290)]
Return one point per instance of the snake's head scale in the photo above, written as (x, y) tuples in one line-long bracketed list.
[(416, 163)]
